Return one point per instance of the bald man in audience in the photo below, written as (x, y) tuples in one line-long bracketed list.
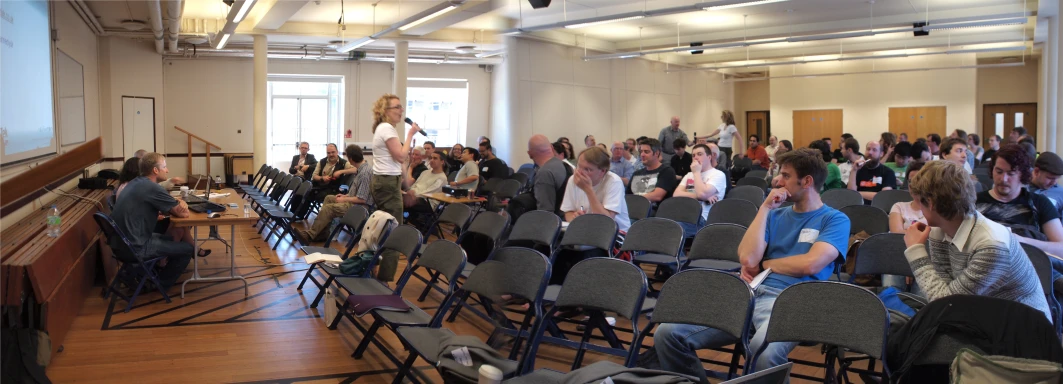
[(668, 136), (550, 178)]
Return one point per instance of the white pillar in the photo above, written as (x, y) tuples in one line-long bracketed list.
[(259, 88), (511, 142), (1048, 99), (398, 84)]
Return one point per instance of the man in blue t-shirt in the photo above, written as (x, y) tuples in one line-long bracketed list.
[(797, 243)]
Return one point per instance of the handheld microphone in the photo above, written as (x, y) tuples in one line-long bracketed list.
[(421, 131)]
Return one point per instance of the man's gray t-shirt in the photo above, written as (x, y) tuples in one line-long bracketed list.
[(137, 211), (667, 137), (550, 180)]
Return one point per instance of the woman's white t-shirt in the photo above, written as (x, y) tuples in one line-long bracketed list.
[(908, 215), (383, 163), (727, 132), (610, 192)]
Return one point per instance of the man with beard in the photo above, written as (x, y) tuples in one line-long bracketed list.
[(1029, 215), (869, 177)]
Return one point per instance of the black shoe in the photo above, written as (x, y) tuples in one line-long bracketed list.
[(204, 252)]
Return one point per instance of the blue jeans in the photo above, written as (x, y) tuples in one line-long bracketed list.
[(689, 229), (677, 344)]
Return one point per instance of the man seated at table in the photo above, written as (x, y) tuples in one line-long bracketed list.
[(413, 198), (137, 212), (337, 205), (167, 184), (491, 167), (797, 243), (302, 162)]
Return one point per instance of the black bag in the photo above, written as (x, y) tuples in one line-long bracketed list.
[(25, 354)]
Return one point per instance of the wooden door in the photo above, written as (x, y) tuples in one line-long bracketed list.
[(1000, 119), (757, 122), (812, 125), (918, 121)]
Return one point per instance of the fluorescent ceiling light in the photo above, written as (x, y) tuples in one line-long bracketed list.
[(355, 44), (740, 4), (831, 36), (244, 8), (977, 24), (222, 41), (618, 55), (426, 18), (490, 53), (593, 23)]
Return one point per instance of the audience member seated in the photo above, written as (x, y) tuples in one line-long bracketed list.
[(869, 177), (961, 252), (429, 182), (560, 153), (589, 141), (302, 162), (1046, 171), (757, 153), (933, 141), (548, 187), (902, 138), (955, 150), (1018, 135), (469, 175), (887, 142), (704, 183), (593, 189), (454, 162), (657, 181), (336, 206), (994, 146), (167, 184), (974, 144), (137, 213), (962, 135), (851, 152), (902, 156), (1029, 215), (491, 167), (921, 152), (839, 154), (328, 174), (681, 159), (570, 155), (632, 155), (906, 213), (797, 243), (781, 148), (131, 171), (773, 145), (619, 165), (417, 162), (834, 175), (429, 147)]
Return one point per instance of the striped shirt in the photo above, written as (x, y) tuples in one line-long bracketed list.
[(984, 259)]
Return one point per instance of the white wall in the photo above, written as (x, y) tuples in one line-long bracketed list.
[(866, 98), (1007, 85), (132, 68), (558, 94)]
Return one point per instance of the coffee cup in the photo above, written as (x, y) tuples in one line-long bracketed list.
[(184, 192)]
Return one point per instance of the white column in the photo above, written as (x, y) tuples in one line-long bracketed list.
[(398, 84), (1049, 69), (511, 143), (259, 87)]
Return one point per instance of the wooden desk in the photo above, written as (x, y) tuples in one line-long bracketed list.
[(448, 199), (231, 217)]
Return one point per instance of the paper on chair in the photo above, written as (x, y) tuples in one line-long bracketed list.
[(759, 278), (318, 257)]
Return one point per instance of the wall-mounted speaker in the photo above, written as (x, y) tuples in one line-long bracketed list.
[(539, 3)]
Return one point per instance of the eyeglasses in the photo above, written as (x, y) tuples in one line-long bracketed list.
[(396, 107)]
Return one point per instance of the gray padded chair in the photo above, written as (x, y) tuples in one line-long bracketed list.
[(586, 231), (732, 211), (716, 247), (760, 173), (754, 181), (811, 309), (886, 199), (352, 221), (638, 207), (490, 226), (455, 214), (682, 209), (841, 198), (1043, 266), (883, 253), (398, 240), (597, 285), (752, 194), (656, 241), (729, 308), (866, 218), (516, 272), (538, 230)]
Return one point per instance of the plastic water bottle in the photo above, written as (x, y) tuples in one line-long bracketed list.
[(54, 220)]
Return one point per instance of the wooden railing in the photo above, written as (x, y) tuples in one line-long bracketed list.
[(209, 144)]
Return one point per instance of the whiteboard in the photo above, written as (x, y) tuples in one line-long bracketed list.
[(71, 100)]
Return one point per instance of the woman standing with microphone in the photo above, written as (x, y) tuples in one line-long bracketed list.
[(388, 155)]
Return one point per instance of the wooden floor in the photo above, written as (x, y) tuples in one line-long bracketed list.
[(216, 335)]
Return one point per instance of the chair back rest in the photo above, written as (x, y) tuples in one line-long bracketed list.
[(758, 182), (300, 195), (732, 211), (592, 230), (280, 187), (457, 214), (885, 200), (354, 219), (445, 257), (717, 242), (507, 188), (683, 209), (883, 253), (683, 300), (510, 271), (1042, 265), (120, 245), (491, 186), (749, 193), (404, 239), (760, 174), (112, 198), (521, 178), (812, 314), (490, 224), (540, 227), (866, 218), (654, 235), (605, 284), (638, 207), (841, 198), (270, 176)]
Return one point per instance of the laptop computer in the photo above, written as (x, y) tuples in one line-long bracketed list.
[(203, 204)]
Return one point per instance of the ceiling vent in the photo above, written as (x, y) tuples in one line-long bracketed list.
[(133, 25)]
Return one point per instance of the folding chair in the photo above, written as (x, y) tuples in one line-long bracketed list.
[(136, 269), (886, 199), (112, 198), (638, 207), (681, 209), (283, 216), (760, 174), (732, 211), (1043, 266), (866, 218), (597, 285), (487, 226), (455, 214), (754, 181), (809, 312), (520, 274), (352, 221), (750, 193), (716, 247), (260, 186), (729, 308), (656, 241), (841, 198), (538, 230), (591, 231), (521, 178), (397, 239)]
